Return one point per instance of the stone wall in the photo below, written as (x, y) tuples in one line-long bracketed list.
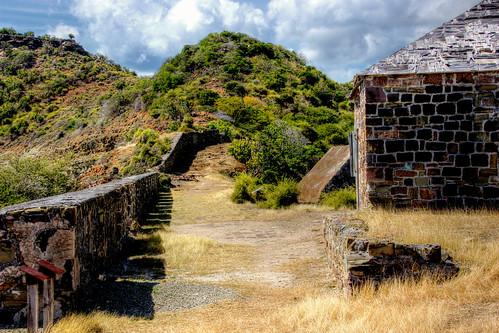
[(82, 232), (184, 147), (429, 140), (355, 260)]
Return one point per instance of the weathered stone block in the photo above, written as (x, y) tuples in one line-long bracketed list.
[(446, 108), (375, 95)]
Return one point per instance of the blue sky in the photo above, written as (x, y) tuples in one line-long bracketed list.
[(338, 37)]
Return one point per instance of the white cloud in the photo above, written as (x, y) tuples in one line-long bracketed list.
[(339, 37), (63, 31), (130, 29), (336, 34)]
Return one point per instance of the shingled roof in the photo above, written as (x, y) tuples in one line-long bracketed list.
[(470, 42)]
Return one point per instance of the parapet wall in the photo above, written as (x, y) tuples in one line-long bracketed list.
[(355, 261), (82, 232), (184, 147)]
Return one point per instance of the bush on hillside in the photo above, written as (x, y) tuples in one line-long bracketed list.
[(29, 178), (243, 188), (341, 198), (284, 194)]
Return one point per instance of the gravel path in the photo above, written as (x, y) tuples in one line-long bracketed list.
[(145, 298)]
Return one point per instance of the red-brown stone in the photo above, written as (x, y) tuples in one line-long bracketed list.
[(427, 194), (406, 173)]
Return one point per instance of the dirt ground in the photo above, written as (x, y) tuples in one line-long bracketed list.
[(279, 239)]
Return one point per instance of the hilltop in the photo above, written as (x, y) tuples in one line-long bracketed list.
[(57, 101)]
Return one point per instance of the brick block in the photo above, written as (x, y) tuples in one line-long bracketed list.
[(452, 148), (433, 79), (423, 156), (449, 190), (466, 147), (462, 88), (438, 98), (393, 98), (491, 125), (428, 109), (440, 156), (374, 121), (398, 190), (451, 172), (437, 180), (437, 120), (433, 172), (446, 108), (436, 89), (491, 192), (480, 160), (371, 109), (470, 175), (465, 78), (401, 112), (435, 146), (470, 191), (380, 81), (411, 145), (446, 136), (406, 98), (421, 181), (395, 146), (386, 158), (454, 97), (451, 125), (427, 194), (405, 173), (374, 174), (460, 136), (408, 182), (407, 135), (491, 147), (405, 157), (385, 112), (375, 95), (424, 134), (465, 106), (462, 161), (407, 121), (422, 98)]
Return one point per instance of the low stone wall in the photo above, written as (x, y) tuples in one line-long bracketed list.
[(184, 147), (355, 260), (82, 232)]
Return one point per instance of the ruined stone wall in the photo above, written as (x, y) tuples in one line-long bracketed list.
[(355, 261), (431, 140), (82, 232), (184, 147)]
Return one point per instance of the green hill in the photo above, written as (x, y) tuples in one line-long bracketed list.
[(59, 103)]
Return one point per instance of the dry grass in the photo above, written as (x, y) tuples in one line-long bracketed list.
[(211, 203), (199, 255), (467, 303)]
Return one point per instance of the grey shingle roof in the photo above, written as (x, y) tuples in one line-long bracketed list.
[(470, 42)]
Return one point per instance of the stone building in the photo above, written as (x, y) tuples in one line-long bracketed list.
[(427, 118)]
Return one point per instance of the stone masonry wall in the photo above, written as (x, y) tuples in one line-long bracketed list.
[(429, 140), (82, 232), (184, 147), (355, 261)]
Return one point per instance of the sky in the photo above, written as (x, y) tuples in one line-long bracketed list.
[(338, 37)]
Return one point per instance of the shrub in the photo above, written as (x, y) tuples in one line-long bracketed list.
[(29, 178), (243, 188), (341, 198), (284, 194)]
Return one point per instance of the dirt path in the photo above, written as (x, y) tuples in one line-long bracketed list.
[(281, 241)]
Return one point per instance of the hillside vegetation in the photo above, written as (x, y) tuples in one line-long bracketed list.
[(58, 100)]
